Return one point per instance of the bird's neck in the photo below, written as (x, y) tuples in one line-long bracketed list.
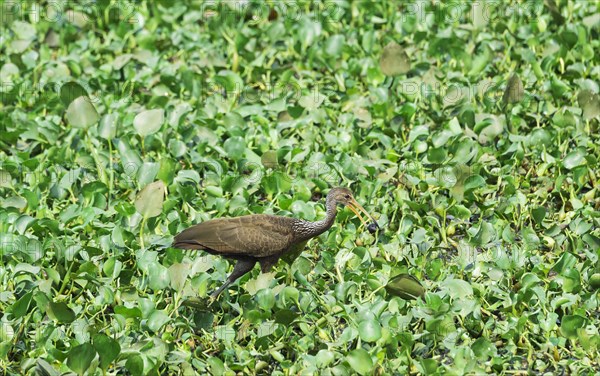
[(327, 222), (308, 230)]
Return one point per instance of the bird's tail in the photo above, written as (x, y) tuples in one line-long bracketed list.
[(187, 244)]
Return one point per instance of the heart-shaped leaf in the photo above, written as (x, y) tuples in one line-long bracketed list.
[(81, 113), (595, 281), (457, 288), (570, 324), (369, 330), (589, 103), (60, 312), (107, 348), (157, 319), (405, 286), (128, 312), (21, 306), (394, 60), (324, 358), (235, 147), (149, 201), (178, 274), (44, 368), (148, 122), (135, 365), (269, 159), (108, 126), (71, 91), (538, 214), (360, 361), (574, 159), (514, 91), (261, 282), (285, 316), (80, 357), (158, 276)]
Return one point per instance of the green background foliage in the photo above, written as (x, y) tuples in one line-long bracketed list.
[(469, 130)]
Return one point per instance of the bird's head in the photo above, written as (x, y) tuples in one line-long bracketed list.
[(344, 197)]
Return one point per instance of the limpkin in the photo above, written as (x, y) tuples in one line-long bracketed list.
[(262, 238)]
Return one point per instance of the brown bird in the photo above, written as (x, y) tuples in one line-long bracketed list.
[(262, 238)]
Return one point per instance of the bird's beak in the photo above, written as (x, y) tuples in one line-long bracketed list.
[(357, 208)]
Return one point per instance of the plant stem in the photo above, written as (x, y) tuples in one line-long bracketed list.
[(142, 225)]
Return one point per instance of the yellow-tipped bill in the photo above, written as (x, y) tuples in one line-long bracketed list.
[(357, 208)]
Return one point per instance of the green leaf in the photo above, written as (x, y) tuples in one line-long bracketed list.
[(130, 158), (80, 357), (216, 366), (107, 348), (135, 365), (43, 368), (457, 288), (394, 60), (580, 226), (360, 361), (566, 262), (265, 299), (71, 91), (269, 159), (178, 275), (514, 91), (21, 306), (61, 312), (213, 191), (593, 241), (474, 182), (81, 113), (574, 159), (23, 30), (538, 214), (149, 201), (5, 179), (569, 325), (235, 147), (224, 333), (7, 332), (133, 312), (229, 81), (108, 126), (436, 155), (485, 234), (148, 122), (539, 138), (595, 281), (405, 286), (157, 320), (589, 103), (265, 329), (334, 45), (263, 281), (483, 348), (572, 281), (369, 330), (324, 358), (166, 171), (285, 316), (158, 276), (147, 172), (295, 111)]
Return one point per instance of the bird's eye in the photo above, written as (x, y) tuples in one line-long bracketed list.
[(347, 196)]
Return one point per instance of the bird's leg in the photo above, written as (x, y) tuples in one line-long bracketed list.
[(267, 263), (242, 267)]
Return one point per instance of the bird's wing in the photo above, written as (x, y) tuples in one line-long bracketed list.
[(254, 235)]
